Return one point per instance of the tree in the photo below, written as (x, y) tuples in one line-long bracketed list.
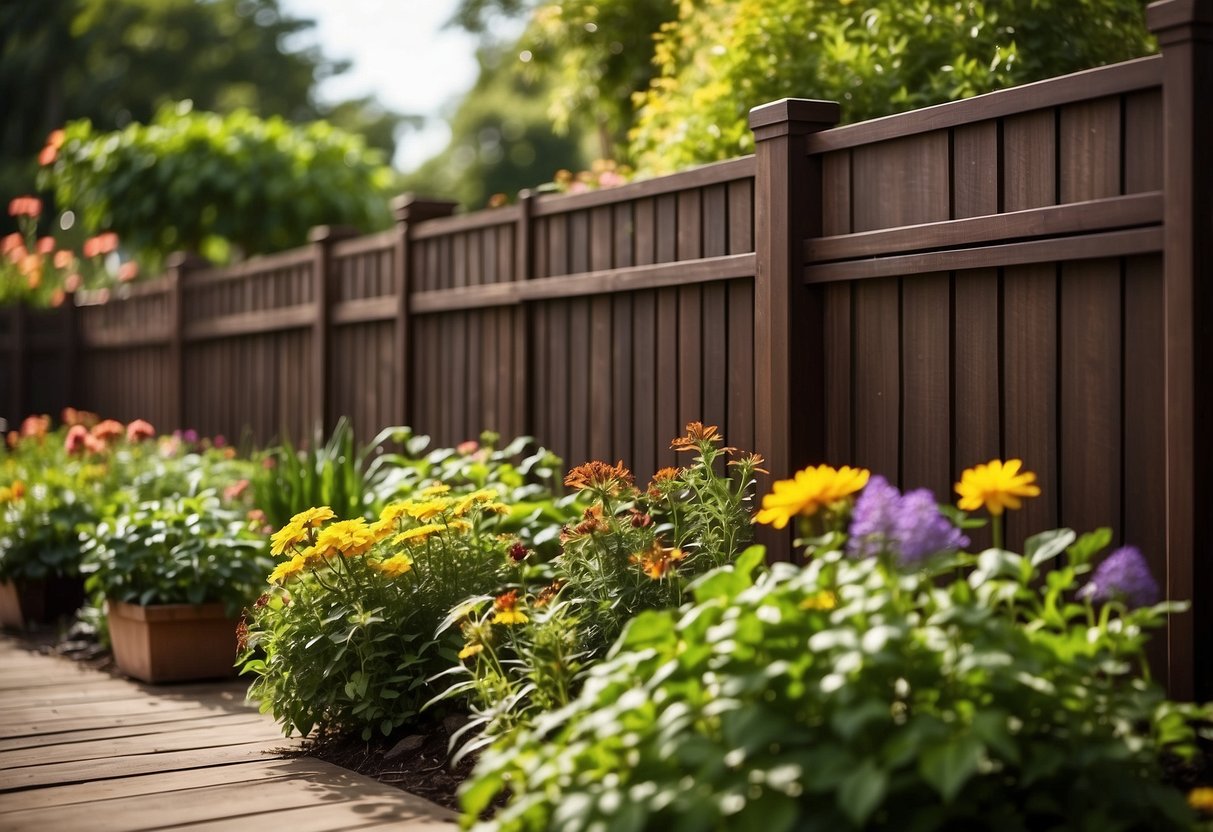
[(875, 57), (115, 62), (501, 138), (208, 183)]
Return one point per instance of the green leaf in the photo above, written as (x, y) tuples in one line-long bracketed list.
[(949, 766), (1045, 546), (862, 791)]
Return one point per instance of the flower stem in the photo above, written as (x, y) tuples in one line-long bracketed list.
[(996, 530)]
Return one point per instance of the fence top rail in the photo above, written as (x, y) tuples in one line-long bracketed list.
[(474, 221), (713, 174), (158, 286), (354, 246), (1114, 79), (260, 264)]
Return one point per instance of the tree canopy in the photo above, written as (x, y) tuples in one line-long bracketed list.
[(115, 62), (204, 182), (678, 77)]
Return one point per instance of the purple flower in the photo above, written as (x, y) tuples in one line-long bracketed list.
[(1123, 575), (190, 436), (909, 527)]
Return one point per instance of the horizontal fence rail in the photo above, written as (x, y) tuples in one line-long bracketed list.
[(1021, 274)]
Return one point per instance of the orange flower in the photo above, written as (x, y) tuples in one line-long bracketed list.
[(72, 282), (11, 243), (128, 271), (64, 259), (56, 139), (139, 430), (546, 594), (101, 244), (58, 297), (48, 155), (656, 561), (600, 476), (107, 430), (46, 245), (696, 434), (36, 425)]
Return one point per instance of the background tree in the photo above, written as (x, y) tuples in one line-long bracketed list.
[(216, 184), (502, 139), (118, 61)]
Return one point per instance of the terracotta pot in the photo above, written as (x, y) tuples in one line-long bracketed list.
[(24, 602), (173, 642)]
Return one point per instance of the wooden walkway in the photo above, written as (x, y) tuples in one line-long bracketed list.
[(81, 750)]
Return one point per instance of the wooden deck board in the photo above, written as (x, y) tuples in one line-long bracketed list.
[(80, 750)]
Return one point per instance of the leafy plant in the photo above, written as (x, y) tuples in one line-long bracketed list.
[(183, 550), (217, 184), (630, 551), (345, 642), (890, 683)]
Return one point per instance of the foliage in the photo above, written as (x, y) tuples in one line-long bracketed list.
[(345, 641), (210, 183), (178, 550), (630, 551), (502, 139), (867, 690), (118, 61), (723, 57)]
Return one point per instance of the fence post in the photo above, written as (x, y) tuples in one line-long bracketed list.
[(788, 372), (409, 210), (1185, 34), (322, 238), (524, 269), (178, 264), (20, 358), (71, 351)]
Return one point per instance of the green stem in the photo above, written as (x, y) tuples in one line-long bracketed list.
[(996, 530)]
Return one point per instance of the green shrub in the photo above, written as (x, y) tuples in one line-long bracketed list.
[(178, 550), (878, 687)]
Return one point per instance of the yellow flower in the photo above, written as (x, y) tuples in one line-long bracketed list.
[(484, 495), (470, 650), (313, 517), (288, 569), (428, 510), (823, 600), (808, 491), (459, 526), (1201, 799), (506, 609), (394, 566), (997, 485), (417, 535), (435, 490), (288, 537), (394, 511), (349, 537)]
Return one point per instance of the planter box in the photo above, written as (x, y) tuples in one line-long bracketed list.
[(173, 642), (26, 602)]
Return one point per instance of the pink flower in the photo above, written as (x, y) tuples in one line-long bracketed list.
[(107, 430), (468, 447), (128, 271), (11, 243), (233, 491), (75, 442), (25, 206), (139, 430), (72, 282), (64, 259), (48, 155), (46, 245)]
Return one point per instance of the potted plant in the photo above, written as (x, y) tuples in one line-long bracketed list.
[(174, 574)]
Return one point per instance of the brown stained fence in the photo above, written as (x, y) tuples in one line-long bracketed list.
[(1022, 274)]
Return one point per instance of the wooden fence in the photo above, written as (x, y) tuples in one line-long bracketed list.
[(1026, 273)]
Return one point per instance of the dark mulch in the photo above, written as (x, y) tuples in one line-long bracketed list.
[(417, 762)]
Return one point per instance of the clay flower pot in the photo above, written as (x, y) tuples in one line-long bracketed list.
[(172, 642)]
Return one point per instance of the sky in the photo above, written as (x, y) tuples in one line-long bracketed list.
[(402, 55)]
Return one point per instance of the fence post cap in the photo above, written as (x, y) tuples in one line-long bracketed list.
[(802, 110), (1165, 15), (411, 207), (330, 233), (184, 260)]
